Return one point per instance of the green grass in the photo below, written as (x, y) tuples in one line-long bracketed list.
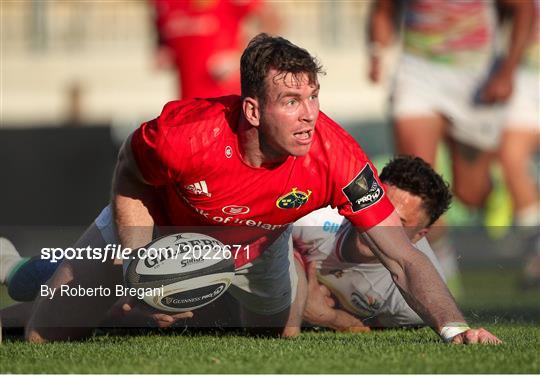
[(394, 351), (492, 296), (492, 300)]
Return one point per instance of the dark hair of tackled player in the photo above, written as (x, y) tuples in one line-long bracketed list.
[(414, 175), (264, 53)]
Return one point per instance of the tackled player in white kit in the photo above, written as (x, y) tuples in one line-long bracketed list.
[(363, 291)]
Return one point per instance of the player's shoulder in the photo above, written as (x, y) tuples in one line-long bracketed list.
[(330, 136), (199, 113)]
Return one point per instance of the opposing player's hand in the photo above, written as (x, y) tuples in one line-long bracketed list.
[(471, 336), (325, 291), (319, 304), (498, 88), (131, 306)]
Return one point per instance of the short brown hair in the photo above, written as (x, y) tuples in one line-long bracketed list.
[(414, 175), (265, 52)]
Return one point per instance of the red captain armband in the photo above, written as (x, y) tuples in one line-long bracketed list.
[(372, 217), (368, 201)]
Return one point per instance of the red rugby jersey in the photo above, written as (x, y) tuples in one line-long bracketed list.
[(190, 154)]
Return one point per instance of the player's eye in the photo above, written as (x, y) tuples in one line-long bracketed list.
[(291, 102)]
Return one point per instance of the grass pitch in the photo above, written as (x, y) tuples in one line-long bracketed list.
[(394, 351), (492, 300)]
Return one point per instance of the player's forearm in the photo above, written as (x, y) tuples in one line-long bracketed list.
[(381, 27), (133, 221), (130, 201), (416, 277), (522, 25), (425, 292)]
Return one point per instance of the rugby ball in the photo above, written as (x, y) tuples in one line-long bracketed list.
[(180, 272)]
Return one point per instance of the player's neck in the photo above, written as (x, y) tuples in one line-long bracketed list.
[(252, 149)]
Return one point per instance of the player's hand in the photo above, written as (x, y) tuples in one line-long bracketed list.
[(318, 310), (498, 88), (223, 65), (164, 58), (131, 306), (325, 291), (374, 73), (471, 336)]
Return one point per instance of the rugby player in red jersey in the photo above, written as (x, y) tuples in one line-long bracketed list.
[(272, 156), (203, 41)]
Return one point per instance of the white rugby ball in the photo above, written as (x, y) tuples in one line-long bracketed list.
[(186, 271)]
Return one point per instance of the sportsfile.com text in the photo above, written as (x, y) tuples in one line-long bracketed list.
[(184, 251)]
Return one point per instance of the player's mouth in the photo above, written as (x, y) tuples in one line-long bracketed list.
[(304, 137)]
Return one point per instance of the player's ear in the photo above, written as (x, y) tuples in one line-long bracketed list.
[(250, 106)]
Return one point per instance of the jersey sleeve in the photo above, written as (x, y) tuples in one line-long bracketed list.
[(357, 190), (243, 8), (152, 149)]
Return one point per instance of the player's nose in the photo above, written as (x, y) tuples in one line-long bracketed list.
[(310, 110)]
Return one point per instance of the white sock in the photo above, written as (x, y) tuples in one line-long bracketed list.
[(9, 258), (530, 216)]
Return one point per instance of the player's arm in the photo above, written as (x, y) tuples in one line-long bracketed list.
[(319, 309), (131, 197), (381, 34), (420, 284), (499, 86)]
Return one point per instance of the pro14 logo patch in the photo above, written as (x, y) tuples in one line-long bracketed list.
[(293, 199), (364, 190)]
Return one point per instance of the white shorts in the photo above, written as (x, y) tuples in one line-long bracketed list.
[(524, 107), (423, 88), (266, 286)]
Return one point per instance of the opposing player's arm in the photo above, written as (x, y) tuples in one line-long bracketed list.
[(522, 26), (381, 34), (499, 86), (131, 196), (420, 284), (381, 26), (320, 309), (413, 273)]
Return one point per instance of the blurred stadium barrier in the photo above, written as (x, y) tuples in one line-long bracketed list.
[(104, 50)]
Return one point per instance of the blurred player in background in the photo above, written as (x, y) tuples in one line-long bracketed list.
[(203, 39), (357, 291), (520, 141), (449, 87)]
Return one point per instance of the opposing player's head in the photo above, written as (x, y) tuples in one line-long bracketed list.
[(419, 194), (280, 94)]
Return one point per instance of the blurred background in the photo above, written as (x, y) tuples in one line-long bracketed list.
[(78, 76)]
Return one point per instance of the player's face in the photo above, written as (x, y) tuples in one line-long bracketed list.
[(288, 118), (409, 208)]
